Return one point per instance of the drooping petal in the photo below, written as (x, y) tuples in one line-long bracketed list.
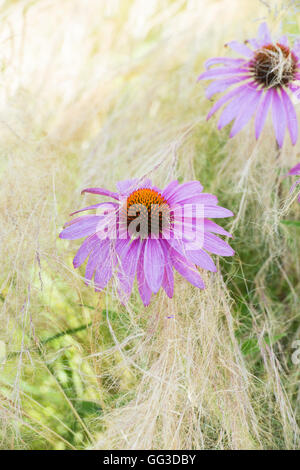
[(99, 253), (216, 246), (144, 289), (168, 279), (223, 60), (87, 246), (218, 72), (216, 212), (127, 269), (201, 259), (187, 269), (278, 115), (237, 91), (291, 116), (103, 273), (262, 112), (101, 191), (77, 220), (218, 86), (233, 108), (246, 113), (295, 170), (103, 206), (82, 228), (213, 227), (154, 264)]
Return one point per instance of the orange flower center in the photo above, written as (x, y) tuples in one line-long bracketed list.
[(147, 212), (274, 66)]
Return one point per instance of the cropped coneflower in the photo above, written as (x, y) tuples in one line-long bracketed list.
[(268, 72), (146, 232), (295, 171)]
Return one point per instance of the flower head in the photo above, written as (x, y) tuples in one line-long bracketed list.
[(147, 232), (268, 72), (295, 171)]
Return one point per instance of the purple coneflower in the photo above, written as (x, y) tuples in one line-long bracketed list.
[(295, 171), (263, 78), (144, 234)]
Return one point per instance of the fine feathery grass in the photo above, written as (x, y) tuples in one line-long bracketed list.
[(99, 91)]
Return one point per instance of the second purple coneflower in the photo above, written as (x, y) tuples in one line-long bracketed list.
[(262, 79)]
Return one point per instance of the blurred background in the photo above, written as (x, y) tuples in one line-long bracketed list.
[(92, 92)]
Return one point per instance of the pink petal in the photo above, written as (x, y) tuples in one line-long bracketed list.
[(216, 212), (224, 100), (262, 112), (295, 170), (201, 199), (216, 245), (240, 48), (233, 108), (184, 191), (101, 191), (154, 264), (127, 269), (201, 259), (168, 279), (103, 272), (144, 289), (105, 206), (87, 246), (279, 119), (291, 116), (223, 60), (187, 269), (82, 228), (170, 189), (97, 256), (246, 113), (221, 71), (212, 227), (218, 86)]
